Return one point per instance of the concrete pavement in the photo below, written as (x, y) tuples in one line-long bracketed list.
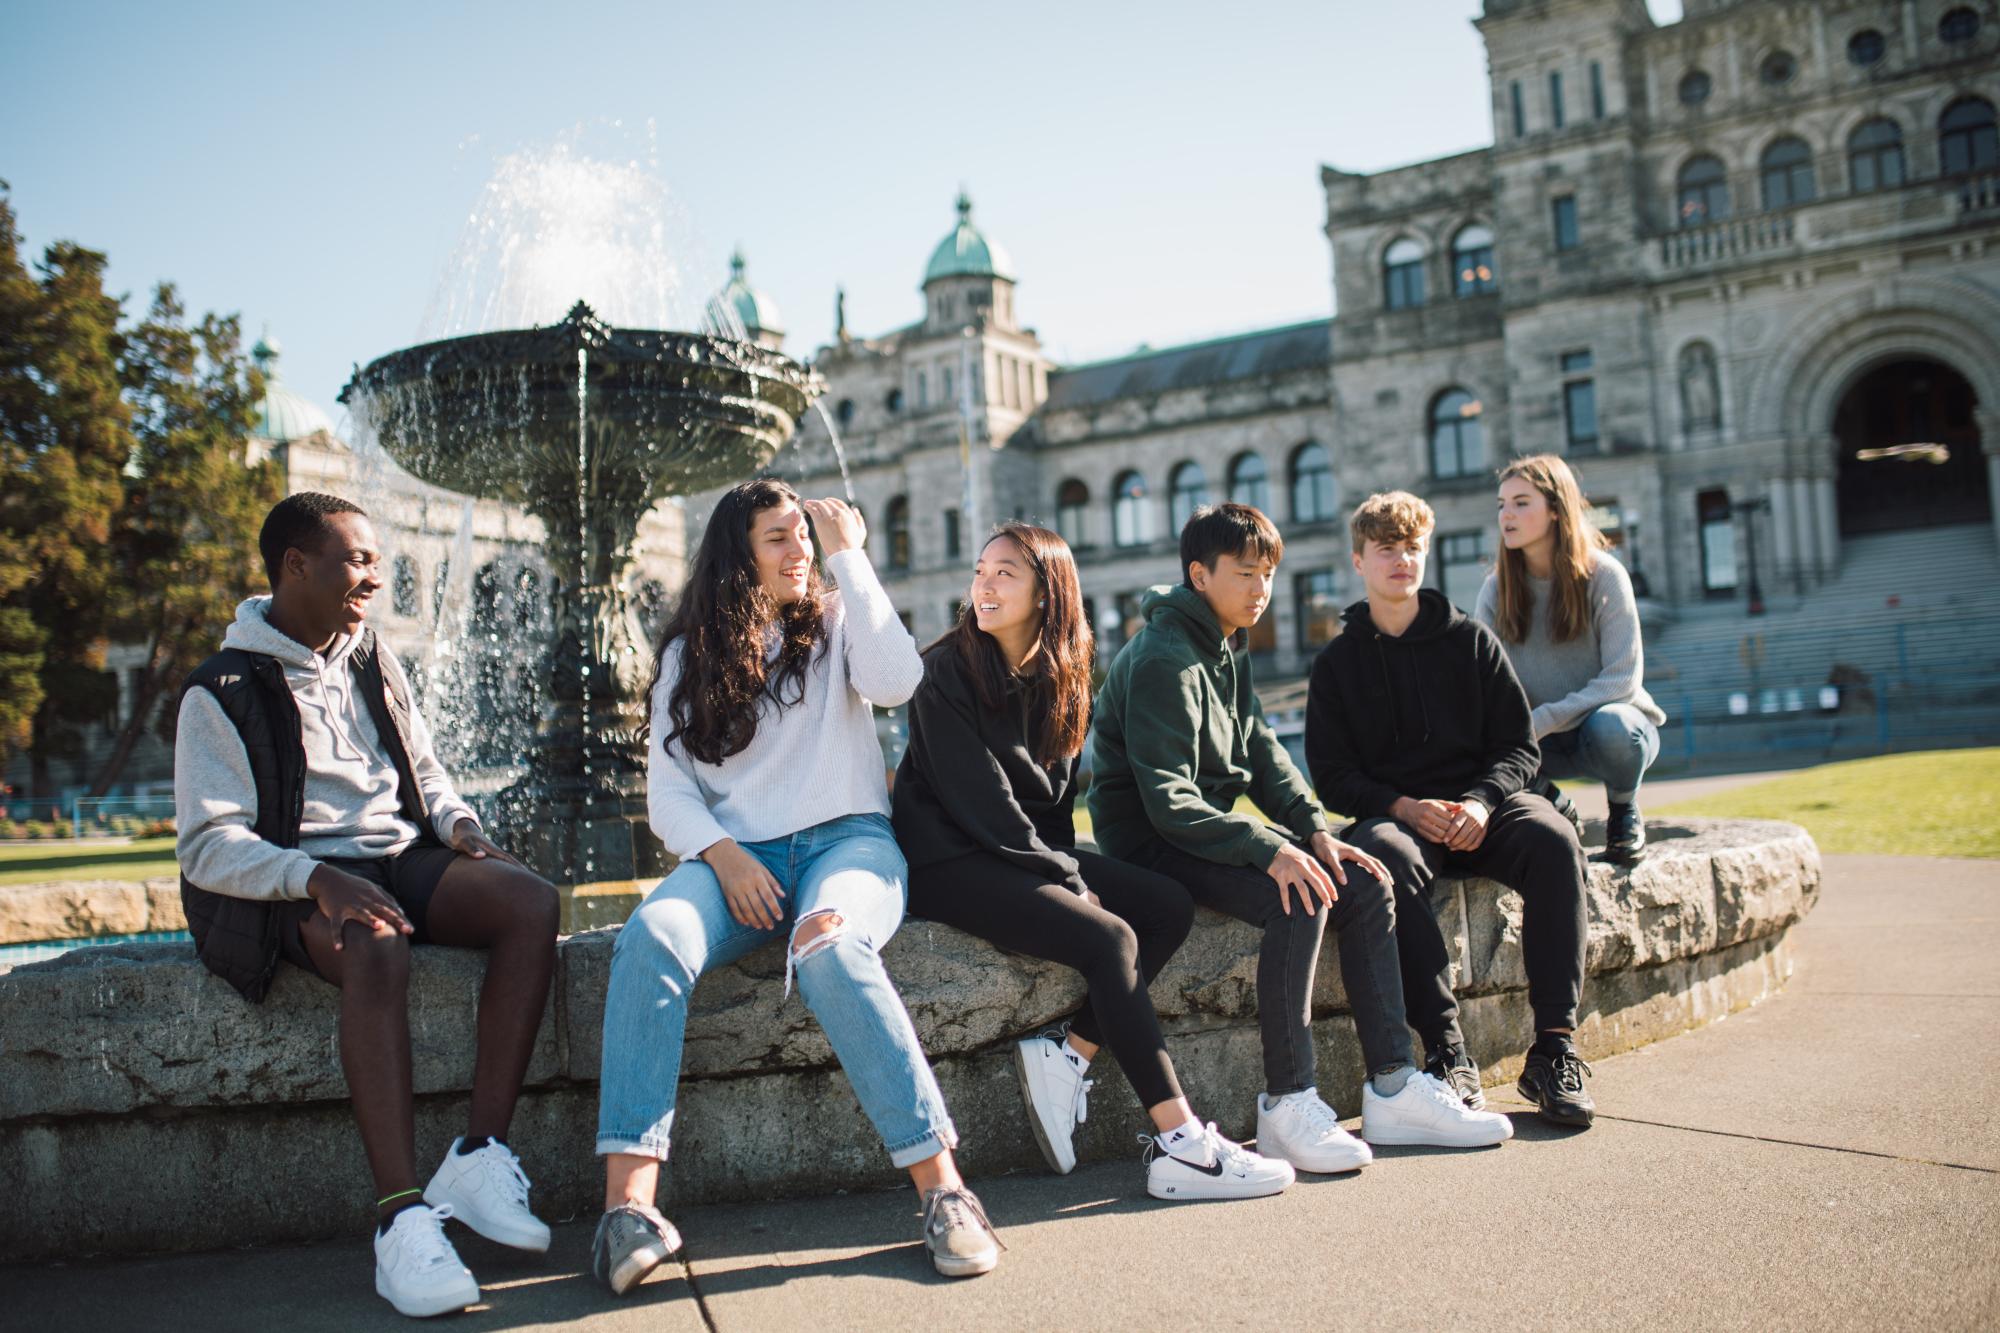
[(1828, 1159)]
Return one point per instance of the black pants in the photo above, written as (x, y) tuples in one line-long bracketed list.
[(1529, 848), (1119, 943), (1364, 923)]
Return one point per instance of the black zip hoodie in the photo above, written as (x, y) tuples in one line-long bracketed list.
[(1435, 712), (969, 782)]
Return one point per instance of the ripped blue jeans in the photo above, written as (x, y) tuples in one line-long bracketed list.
[(849, 868)]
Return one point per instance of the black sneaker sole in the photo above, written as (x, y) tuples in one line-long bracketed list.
[(1567, 1114)]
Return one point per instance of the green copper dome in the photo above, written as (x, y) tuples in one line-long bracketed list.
[(758, 312), (966, 253), (282, 415)]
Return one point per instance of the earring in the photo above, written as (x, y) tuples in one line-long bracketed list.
[(1040, 603)]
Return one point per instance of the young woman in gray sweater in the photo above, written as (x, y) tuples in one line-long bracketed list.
[(1563, 609)]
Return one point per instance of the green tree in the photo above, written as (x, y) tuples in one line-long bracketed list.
[(184, 548), (69, 435), (21, 641)]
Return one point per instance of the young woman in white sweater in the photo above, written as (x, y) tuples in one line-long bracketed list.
[(1563, 609), (766, 780)]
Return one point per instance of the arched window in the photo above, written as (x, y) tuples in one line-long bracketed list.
[(894, 401), (1702, 192), (1128, 511), (1403, 275), (1458, 439), (923, 390), (403, 588), (898, 525), (486, 599), (1313, 497), (1187, 491), (1958, 26), (845, 413), (1787, 174), (1472, 271), (1967, 139), (1875, 156), (527, 599), (1072, 504), (1250, 482)]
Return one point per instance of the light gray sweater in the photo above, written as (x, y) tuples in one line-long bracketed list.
[(1606, 664), (809, 762), (351, 805)]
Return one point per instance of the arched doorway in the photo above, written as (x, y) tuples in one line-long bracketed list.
[(1909, 450)]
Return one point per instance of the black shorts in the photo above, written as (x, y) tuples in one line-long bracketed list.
[(410, 877)]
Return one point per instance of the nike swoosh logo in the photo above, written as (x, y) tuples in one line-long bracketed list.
[(1212, 1170)]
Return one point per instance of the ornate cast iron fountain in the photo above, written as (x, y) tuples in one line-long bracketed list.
[(587, 427)]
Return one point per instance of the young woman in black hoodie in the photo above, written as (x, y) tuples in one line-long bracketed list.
[(984, 810)]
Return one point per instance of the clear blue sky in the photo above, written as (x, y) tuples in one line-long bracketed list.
[(1152, 168)]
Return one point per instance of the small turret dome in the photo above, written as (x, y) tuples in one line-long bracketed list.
[(757, 312), (966, 253), (284, 416)]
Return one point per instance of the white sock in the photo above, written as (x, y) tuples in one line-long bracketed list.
[(1077, 1059), (1177, 1140)]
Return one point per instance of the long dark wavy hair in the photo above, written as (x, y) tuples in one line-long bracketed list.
[(1062, 675), (724, 619)]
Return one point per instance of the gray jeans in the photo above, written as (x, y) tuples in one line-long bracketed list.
[(1364, 924)]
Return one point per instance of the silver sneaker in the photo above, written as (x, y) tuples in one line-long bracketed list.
[(632, 1240), (961, 1241)]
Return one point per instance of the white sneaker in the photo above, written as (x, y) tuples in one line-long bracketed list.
[(416, 1270), (1428, 1111), (1057, 1094), (1303, 1130), (1213, 1168), (488, 1191)]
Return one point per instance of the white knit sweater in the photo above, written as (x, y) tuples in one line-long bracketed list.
[(809, 762)]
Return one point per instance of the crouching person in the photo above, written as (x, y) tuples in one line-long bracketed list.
[(764, 776), (317, 828)]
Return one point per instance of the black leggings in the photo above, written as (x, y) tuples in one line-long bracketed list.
[(1119, 943)]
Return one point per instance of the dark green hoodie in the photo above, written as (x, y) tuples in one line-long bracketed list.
[(1179, 737)]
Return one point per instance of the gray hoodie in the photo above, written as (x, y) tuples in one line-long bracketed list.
[(351, 805)]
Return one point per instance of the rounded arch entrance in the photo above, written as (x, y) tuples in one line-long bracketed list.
[(1908, 448)]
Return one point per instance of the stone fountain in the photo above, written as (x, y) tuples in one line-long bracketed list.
[(587, 427)]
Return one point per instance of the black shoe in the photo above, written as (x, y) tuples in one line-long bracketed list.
[(1451, 1066), (1625, 833), (1567, 809), (1554, 1083)]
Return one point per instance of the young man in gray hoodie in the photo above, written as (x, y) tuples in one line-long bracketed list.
[(317, 828)]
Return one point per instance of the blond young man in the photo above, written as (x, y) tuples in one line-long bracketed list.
[(1418, 730)]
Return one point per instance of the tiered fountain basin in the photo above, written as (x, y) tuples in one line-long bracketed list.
[(587, 427)]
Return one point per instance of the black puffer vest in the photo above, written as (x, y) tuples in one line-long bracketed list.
[(237, 938)]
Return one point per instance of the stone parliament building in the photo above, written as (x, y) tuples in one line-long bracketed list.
[(1742, 269)]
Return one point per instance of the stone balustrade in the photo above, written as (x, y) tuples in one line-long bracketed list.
[(145, 1106)]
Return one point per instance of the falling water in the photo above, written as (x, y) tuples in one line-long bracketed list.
[(839, 454)]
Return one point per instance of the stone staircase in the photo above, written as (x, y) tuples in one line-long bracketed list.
[(1917, 609)]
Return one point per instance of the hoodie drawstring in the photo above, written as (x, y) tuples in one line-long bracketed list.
[(1417, 683)]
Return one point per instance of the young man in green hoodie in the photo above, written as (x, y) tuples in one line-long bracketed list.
[(1179, 740)]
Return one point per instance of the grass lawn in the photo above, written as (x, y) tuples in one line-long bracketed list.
[(1938, 803), (38, 862)]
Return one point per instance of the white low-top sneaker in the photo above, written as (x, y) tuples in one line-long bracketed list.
[(488, 1191), (1057, 1094), (1303, 1130), (1213, 1168), (1427, 1111), (416, 1270)]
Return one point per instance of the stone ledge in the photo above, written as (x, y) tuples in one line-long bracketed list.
[(83, 908), (132, 1063)]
